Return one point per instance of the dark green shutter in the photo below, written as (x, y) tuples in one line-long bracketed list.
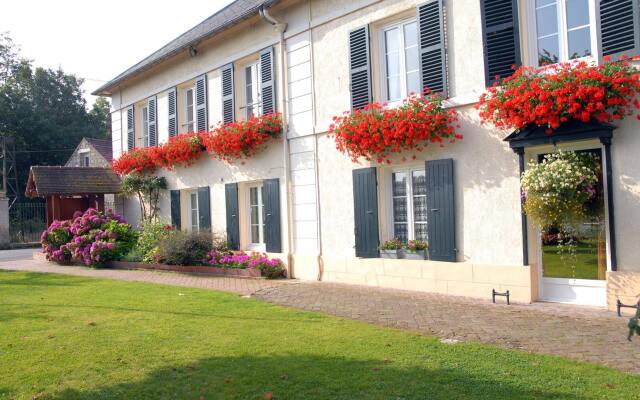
[(228, 103), (175, 209), (619, 27), (359, 68), (433, 68), (152, 120), (201, 104), (271, 200), (173, 113), (501, 38), (267, 81), (233, 224), (441, 224), (204, 209), (365, 205), (131, 129)]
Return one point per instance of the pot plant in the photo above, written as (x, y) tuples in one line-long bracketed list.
[(416, 250), (392, 249)]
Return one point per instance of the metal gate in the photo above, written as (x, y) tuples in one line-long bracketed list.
[(27, 221)]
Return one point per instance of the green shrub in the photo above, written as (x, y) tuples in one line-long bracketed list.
[(133, 256), (152, 234), (182, 248)]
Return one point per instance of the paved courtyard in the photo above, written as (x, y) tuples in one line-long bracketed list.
[(582, 333)]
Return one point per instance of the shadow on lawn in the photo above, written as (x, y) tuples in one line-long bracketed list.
[(313, 377)]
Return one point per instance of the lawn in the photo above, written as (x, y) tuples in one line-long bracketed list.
[(79, 338)]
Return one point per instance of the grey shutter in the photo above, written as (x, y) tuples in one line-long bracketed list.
[(267, 81), (433, 58), (201, 103), (619, 27), (501, 38), (228, 104), (175, 209), (131, 129), (441, 210), (204, 208), (271, 200), (173, 112), (152, 115), (365, 205), (359, 68), (233, 224)]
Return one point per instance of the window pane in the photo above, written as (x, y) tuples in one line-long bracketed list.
[(419, 182), (411, 34), (399, 180), (547, 20), (254, 214), (400, 232), (540, 3), (392, 40), (253, 196), (577, 13), (255, 234), (400, 209), (249, 91), (548, 50), (421, 231), (413, 82), (420, 208), (579, 43), (393, 88)]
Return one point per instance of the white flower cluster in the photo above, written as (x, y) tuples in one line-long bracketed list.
[(560, 174)]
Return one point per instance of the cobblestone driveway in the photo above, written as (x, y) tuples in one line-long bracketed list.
[(581, 333)]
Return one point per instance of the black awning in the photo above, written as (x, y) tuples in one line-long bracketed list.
[(534, 135)]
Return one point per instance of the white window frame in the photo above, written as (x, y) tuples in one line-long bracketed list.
[(383, 61), (194, 207), (189, 117), (260, 246), (594, 22), (409, 170), (256, 88), (145, 126)]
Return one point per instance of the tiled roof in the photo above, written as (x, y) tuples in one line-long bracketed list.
[(54, 180), (235, 12), (102, 146)]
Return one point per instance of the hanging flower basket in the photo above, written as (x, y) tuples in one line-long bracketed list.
[(227, 142), (552, 95), (377, 132)]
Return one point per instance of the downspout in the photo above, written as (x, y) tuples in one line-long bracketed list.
[(281, 27)]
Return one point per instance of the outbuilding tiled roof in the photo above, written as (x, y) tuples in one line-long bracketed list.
[(102, 146), (54, 180), (235, 12)]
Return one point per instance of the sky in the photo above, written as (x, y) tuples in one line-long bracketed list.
[(96, 40)]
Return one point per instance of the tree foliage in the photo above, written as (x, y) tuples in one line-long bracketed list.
[(147, 189), (44, 110)]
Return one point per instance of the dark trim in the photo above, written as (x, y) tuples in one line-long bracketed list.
[(567, 132), (523, 216), (606, 141)]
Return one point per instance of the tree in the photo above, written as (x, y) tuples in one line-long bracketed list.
[(147, 189), (100, 115)]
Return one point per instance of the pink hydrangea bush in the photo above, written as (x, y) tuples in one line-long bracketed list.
[(91, 238), (269, 267)]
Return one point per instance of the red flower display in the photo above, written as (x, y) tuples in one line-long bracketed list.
[(226, 142), (552, 95), (376, 132)]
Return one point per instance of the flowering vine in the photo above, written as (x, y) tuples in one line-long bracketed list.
[(552, 95), (227, 142), (376, 132)]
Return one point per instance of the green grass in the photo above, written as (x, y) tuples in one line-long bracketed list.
[(67, 337), (586, 262)]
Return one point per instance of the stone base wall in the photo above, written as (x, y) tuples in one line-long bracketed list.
[(623, 286)]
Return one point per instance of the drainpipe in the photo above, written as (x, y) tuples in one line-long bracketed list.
[(281, 27)]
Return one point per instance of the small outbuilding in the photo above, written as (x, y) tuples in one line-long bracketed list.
[(71, 189)]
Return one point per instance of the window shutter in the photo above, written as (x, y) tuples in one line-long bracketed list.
[(267, 81), (359, 68), (152, 121), (201, 103), (619, 27), (131, 129), (228, 104), (272, 233), (365, 202), (501, 38), (173, 114), (441, 210), (204, 209), (433, 58), (175, 209), (233, 224)]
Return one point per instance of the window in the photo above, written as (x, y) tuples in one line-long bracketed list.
[(86, 161), (256, 216), (190, 110), (145, 126), (401, 70), (409, 193), (564, 30), (194, 214), (253, 90)]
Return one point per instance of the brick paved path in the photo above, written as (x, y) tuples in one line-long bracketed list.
[(241, 286), (582, 333)]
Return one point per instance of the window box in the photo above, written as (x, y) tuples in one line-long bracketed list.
[(415, 254), (392, 254)]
